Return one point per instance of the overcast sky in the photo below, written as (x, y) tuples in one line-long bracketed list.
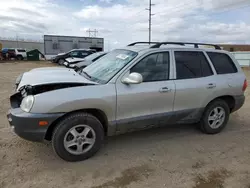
[(123, 21)]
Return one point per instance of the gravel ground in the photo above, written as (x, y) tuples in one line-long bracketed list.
[(174, 157)]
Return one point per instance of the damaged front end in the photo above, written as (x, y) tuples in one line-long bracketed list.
[(16, 99), (18, 80)]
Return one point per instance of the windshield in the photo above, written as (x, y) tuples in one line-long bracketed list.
[(102, 70), (93, 56)]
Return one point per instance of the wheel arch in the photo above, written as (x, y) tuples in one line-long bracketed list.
[(99, 114), (61, 58), (230, 100), (19, 55)]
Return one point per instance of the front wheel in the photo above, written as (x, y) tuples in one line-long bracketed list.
[(215, 117), (19, 57), (60, 61), (78, 137)]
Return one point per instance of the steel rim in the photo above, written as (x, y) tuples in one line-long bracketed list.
[(79, 139), (216, 117)]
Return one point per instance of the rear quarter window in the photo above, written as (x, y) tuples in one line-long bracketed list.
[(223, 64)]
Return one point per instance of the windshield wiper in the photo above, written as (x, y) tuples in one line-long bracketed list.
[(86, 74)]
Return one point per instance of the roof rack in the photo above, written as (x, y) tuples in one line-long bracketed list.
[(132, 44), (158, 44)]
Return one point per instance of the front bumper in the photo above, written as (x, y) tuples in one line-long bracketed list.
[(26, 125), (65, 63), (70, 65)]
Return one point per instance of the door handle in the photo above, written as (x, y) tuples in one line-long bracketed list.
[(164, 90), (211, 85)]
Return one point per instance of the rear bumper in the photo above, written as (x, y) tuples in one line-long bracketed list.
[(26, 125), (239, 101)]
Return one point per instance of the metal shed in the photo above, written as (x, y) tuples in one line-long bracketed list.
[(54, 44)]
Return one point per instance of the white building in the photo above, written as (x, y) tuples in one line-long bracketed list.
[(28, 45)]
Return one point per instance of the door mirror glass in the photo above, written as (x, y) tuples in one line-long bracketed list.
[(133, 78)]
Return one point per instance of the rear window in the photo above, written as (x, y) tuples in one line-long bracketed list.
[(21, 50), (223, 64)]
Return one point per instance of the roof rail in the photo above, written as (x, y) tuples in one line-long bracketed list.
[(158, 44), (132, 44)]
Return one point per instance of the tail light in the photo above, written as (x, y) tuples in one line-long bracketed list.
[(244, 85)]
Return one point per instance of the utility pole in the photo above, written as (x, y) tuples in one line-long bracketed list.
[(92, 33), (17, 45), (150, 19)]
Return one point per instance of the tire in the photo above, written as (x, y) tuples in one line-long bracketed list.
[(70, 124), (60, 61), (76, 69), (19, 57), (206, 123)]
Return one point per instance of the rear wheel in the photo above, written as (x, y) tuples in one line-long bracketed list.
[(78, 137), (215, 117)]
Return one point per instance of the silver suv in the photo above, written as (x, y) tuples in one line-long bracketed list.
[(133, 88)]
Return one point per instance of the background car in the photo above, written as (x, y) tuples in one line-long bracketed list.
[(16, 53), (78, 63), (76, 53), (21, 53), (8, 53)]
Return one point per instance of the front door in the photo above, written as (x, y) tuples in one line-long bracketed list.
[(143, 105)]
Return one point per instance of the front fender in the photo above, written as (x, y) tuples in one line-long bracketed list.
[(102, 97), (75, 105)]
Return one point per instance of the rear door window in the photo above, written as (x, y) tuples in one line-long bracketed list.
[(84, 53), (223, 64), (190, 64)]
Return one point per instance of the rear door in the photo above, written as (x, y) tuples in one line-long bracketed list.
[(195, 84)]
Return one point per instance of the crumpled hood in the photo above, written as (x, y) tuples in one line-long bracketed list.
[(34, 78), (46, 70), (74, 59)]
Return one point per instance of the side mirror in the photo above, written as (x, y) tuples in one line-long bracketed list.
[(133, 78)]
